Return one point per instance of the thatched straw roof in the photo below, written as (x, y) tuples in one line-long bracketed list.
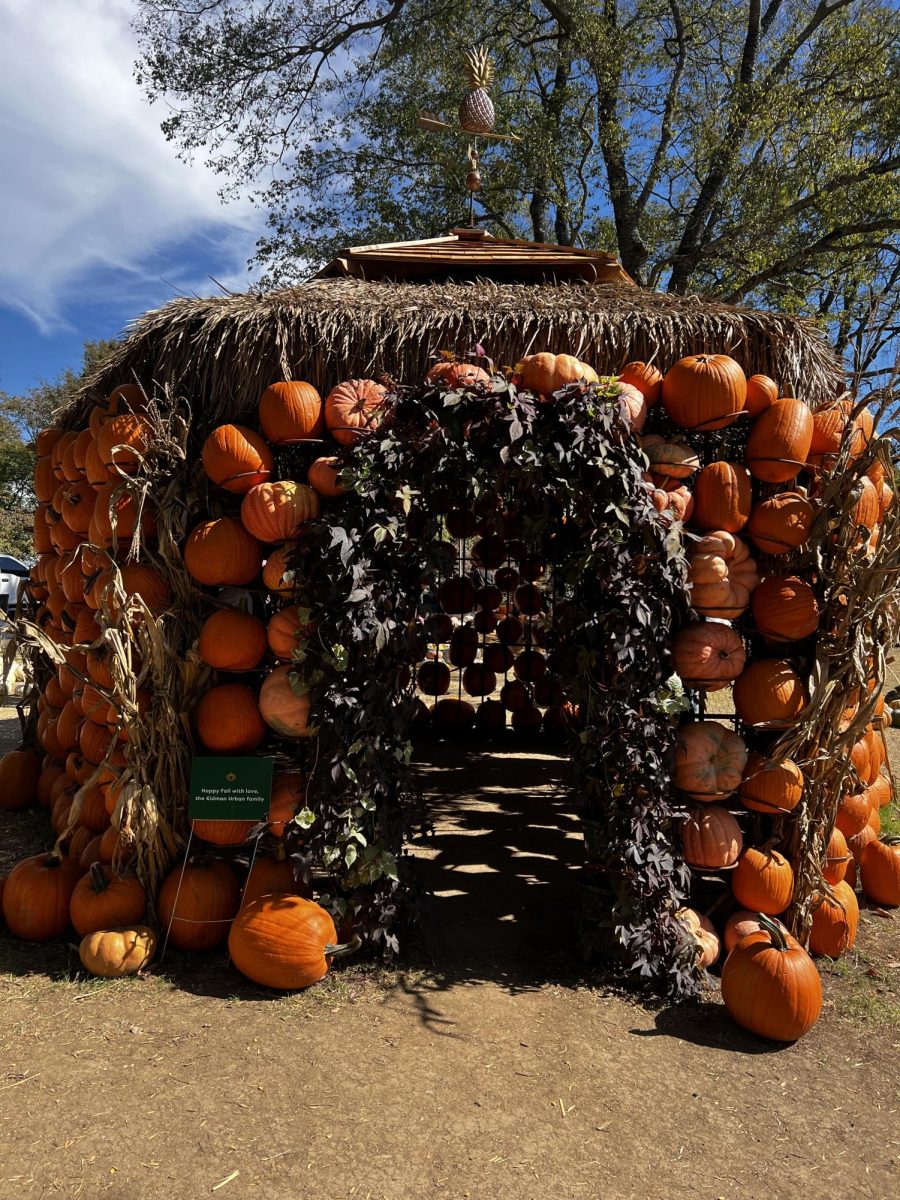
[(222, 352)]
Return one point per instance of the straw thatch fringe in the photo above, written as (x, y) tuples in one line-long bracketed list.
[(222, 352)]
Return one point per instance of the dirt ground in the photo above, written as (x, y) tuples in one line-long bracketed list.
[(487, 1067)]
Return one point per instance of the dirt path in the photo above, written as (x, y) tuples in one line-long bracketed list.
[(483, 1070)]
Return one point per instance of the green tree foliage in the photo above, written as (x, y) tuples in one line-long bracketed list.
[(747, 150), (22, 416)]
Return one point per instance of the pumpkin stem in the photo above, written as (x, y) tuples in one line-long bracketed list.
[(779, 941), (344, 949), (98, 879)]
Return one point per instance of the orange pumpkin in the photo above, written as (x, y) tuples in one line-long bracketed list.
[(114, 517), (75, 503), (291, 412), (20, 772), (704, 391), (45, 482), (455, 715), (780, 524), (646, 378), (770, 785), (94, 741), (60, 446), (288, 795), (834, 922), (836, 859), (857, 844), (278, 573), (785, 608), (722, 497), (852, 813), (101, 900), (880, 792), (222, 552), (127, 397), (769, 692), (283, 941), (352, 408), (779, 441), (114, 953), (829, 425), (232, 640), (742, 922), (676, 504), (285, 632), (268, 876), (763, 881), (276, 512), (880, 870), (702, 931), (711, 838), (136, 581), (283, 708), (42, 542), (122, 443), (236, 458), (867, 511), (771, 986), (722, 575), (670, 459), (223, 833), (324, 475), (46, 440), (451, 374), (95, 471), (546, 373), (761, 392), (228, 719), (208, 896), (709, 761), (36, 897), (633, 405)]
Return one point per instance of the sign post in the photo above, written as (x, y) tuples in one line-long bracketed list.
[(225, 789), (230, 789)]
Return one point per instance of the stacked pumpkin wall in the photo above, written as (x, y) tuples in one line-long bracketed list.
[(781, 763)]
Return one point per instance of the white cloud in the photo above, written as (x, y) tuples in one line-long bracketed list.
[(91, 193)]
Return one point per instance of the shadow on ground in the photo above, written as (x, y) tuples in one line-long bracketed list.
[(499, 860)]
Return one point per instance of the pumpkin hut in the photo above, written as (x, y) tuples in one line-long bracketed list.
[(241, 509)]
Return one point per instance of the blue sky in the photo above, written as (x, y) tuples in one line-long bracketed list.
[(100, 221)]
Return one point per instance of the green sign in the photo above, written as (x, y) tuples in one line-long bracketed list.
[(230, 789)]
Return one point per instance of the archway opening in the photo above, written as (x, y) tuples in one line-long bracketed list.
[(500, 571)]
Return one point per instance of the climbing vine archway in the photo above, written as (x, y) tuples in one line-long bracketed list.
[(568, 473)]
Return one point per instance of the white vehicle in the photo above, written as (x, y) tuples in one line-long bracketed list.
[(12, 572)]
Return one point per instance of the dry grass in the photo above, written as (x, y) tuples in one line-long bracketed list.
[(224, 351)]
